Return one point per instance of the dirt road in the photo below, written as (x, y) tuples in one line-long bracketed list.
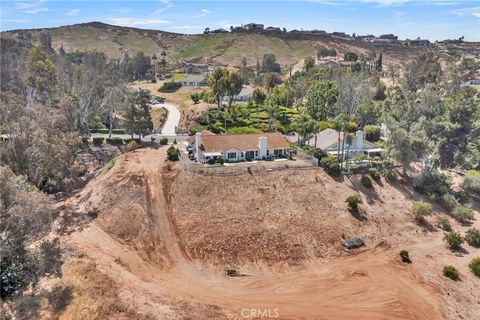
[(368, 285)]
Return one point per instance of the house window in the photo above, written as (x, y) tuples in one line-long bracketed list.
[(232, 155), (250, 154), (277, 152), (256, 153)]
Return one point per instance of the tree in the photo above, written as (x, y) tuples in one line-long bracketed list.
[(320, 98), (138, 119), (271, 80), (269, 63), (308, 63), (154, 63), (350, 56), (272, 110), (218, 83), (379, 63), (305, 126), (233, 86), (42, 80), (163, 61)]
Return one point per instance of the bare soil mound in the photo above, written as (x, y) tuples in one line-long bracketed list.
[(165, 238)]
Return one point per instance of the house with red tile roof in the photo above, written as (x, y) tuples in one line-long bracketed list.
[(207, 146)]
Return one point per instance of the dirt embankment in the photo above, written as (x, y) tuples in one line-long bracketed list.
[(166, 237)]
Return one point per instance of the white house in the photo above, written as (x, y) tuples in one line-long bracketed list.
[(194, 80), (328, 141), (206, 146)]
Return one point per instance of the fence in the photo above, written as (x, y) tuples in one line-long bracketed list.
[(244, 167)]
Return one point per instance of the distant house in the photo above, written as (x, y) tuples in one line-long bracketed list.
[(206, 146), (379, 41), (195, 68), (418, 42), (340, 35), (328, 141), (219, 31), (253, 26), (194, 80), (389, 36), (272, 29), (244, 95), (329, 64)]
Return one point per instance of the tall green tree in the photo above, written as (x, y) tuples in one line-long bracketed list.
[(320, 99), (218, 83)]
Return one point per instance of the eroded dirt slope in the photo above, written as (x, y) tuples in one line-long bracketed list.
[(165, 239)]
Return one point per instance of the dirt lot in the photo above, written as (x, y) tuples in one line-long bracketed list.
[(166, 237)]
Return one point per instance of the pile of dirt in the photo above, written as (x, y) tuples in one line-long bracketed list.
[(166, 236), (283, 215)]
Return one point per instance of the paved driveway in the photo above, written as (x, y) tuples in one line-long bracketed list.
[(173, 119)]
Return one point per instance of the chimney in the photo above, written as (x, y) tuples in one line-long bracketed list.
[(198, 143), (359, 145), (262, 147)]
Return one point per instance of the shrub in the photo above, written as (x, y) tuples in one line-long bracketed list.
[(353, 202), (444, 223), (195, 97), (351, 126), (420, 209), (374, 174), (316, 152), (451, 272), (472, 237), (110, 164), (163, 141), (432, 184), (389, 174), (331, 165), (463, 213), (131, 145), (454, 239), (220, 160), (114, 140), (174, 141), (173, 153), (404, 256), (471, 183), (98, 141), (475, 266), (366, 182), (449, 202), (169, 87), (372, 133)]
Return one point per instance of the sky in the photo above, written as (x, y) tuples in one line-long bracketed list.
[(432, 19)]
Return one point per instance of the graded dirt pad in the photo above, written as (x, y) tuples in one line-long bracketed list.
[(166, 239)]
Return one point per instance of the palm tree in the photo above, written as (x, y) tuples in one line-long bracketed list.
[(272, 110), (305, 125), (340, 122)]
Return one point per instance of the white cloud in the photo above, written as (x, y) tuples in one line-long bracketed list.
[(35, 10), (32, 7), (475, 11), (133, 22), (204, 13), (162, 10), (72, 13)]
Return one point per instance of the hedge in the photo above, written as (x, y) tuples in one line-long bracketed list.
[(114, 140), (106, 131), (98, 141), (169, 87)]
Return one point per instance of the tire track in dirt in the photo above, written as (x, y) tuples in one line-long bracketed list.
[(369, 285)]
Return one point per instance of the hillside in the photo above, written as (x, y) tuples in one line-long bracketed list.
[(228, 48), (166, 238)]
